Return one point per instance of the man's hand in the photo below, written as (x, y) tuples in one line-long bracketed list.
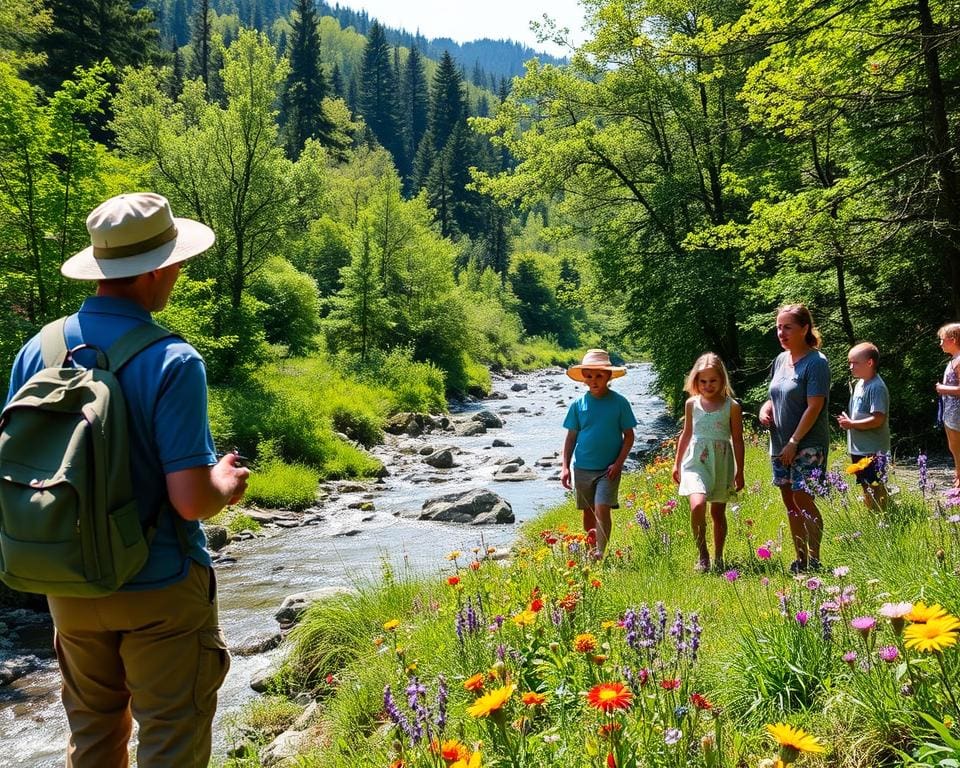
[(614, 470), (565, 477), (231, 476)]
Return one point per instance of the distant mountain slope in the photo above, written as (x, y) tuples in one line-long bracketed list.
[(500, 58)]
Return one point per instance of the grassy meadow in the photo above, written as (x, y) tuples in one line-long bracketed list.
[(549, 659)]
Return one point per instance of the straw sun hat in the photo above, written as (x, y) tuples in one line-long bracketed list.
[(598, 360), (134, 234)]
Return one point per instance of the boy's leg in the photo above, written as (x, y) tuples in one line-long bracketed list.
[(604, 524), (719, 517), (698, 524)]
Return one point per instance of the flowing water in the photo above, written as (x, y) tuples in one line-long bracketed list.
[(347, 546)]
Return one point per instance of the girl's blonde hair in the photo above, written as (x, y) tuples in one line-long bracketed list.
[(802, 316), (950, 331), (706, 362)]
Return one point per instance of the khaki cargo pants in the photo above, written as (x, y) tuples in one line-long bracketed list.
[(157, 656)]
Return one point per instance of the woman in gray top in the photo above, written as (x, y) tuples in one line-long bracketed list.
[(796, 414)]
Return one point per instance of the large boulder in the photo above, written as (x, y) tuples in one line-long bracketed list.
[(478, 506), (441, 458), (294, 606), (488, 418), (217, 537), (413, 424), (471, 428)]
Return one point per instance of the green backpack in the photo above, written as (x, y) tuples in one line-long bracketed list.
[(69, 525)]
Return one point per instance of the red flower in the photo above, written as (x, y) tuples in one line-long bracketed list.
[(700, 701), (536, 605), (453, 581), (571, 563), (609, 697), (596, 584), (670, 684), (611, 760), (608, 729)]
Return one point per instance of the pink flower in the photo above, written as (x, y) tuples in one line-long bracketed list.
[(731, 575), (841, 570), (850, 657), (764, 581), (863, 624), (813, 584), (888, 653), (802, 618), (763, 553)]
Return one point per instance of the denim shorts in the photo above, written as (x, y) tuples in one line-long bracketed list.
[(806, 461), (595, 489)]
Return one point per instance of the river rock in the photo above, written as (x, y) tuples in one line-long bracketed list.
[(217, 537), (441, 459), (262, 681), (477, 506), (19, 666), (252, 646), (426, 450), (498, 443), (518, 460), (519, 386), (294, 606), (514, 473), (284, 750), (471, 428), (496, 396), (488, 418)]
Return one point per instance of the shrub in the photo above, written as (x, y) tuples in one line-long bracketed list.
[(276, 485), (291, 305)]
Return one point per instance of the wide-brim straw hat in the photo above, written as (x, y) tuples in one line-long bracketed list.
[(597, 360), (134, 234)]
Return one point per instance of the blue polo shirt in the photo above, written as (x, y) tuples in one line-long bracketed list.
[(599, 423), (165, 387)]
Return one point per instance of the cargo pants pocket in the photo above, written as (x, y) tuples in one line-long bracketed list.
[(212, 668)]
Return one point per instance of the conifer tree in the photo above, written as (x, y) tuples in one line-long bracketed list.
[(378, 92), (202, 32), (306, 86), (448, 105), (84, 32), (180, 23), (336, 82), (415, 103)]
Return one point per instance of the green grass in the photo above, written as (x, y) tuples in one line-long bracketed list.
[(277, 485), (757, 662)]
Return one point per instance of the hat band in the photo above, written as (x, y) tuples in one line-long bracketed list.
[(135, 249)]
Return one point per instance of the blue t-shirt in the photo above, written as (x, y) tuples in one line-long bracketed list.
[(869, 397), (599, 423), (790, 386), (165, 388)]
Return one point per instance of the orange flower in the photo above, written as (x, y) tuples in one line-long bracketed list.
[(609, 697), (451, 750), (533, 699), (596, 583), (585, 643), (475, 682), (568, 602)]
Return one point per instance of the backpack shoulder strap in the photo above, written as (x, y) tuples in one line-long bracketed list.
[(53, 345), (134, 341)]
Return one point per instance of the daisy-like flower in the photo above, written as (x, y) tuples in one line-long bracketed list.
[(533, 699), (858, 466), (609, 697), (840, 571), (933, 635), (525, 618), (474, 683), (491, 703), (793, 741), (670, 683), (472, 762), (454, 555), (921, 613), (700, 701), (585, 643), (450, 750), (391, 625), (897, 613)]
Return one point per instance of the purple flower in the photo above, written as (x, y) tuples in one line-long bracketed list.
[(441, 702), (695, 630), (850, 657), (764, 581), (672, 735), (414, 691), (763, 553), (802, 618), (395, 715), (888, 653), (813, 584), (841, 570), (642, 520), (863, 624), (731, 575)]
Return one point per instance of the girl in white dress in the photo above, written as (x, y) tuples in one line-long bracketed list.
[(709, 462)]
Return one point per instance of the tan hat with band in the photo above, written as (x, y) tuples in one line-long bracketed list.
[(597, 360), (133, 234)]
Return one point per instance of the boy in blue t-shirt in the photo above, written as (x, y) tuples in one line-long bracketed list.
[(599, 437)]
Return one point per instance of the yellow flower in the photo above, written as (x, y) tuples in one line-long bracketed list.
[(608, 625), (525, 618), (922, 613), (391, 625), (933, 635), (585, 643), (794, 741), (491, 702), (857, 466), (473, 762), (454, 555)]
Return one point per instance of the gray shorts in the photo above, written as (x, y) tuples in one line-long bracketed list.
[(594, 488)]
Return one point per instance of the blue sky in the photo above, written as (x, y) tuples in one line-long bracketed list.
[(463, 21)]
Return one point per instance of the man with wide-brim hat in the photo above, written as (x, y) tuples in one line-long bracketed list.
[(152, 651)]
